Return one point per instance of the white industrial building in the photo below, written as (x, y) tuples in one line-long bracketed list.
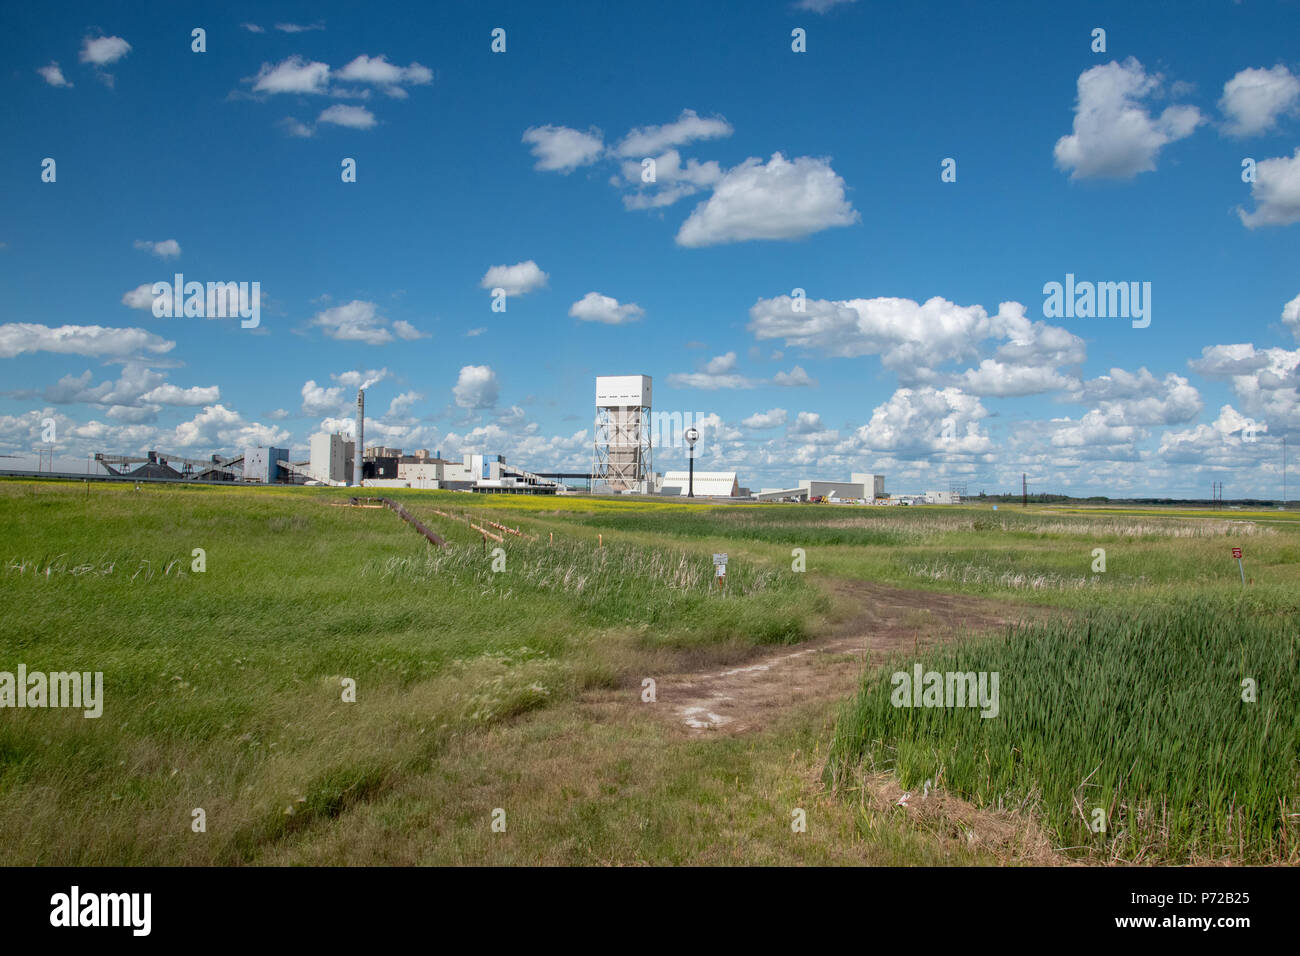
[(873, 486), (475, 472), (861, 486), (331, 458), (708, 484), (422, 474), (266, 465)]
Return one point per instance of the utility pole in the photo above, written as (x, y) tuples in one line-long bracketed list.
[(692, 435), (1283, 472), (1024, 491)]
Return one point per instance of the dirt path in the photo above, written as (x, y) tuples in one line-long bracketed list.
[(742, 698)]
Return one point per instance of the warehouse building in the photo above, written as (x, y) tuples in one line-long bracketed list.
[(861, 486), (708, 484)]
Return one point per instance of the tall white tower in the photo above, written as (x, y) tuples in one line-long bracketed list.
[(622, 459)]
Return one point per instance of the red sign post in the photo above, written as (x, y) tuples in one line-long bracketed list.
[(1236, 553)]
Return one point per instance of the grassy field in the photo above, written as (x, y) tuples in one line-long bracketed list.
[(479, 689), (223, 688), (1127, 732)]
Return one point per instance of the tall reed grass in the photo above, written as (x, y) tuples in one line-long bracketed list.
[(1139, 714)]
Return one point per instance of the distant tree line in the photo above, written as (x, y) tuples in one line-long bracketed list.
[(1013, 497)]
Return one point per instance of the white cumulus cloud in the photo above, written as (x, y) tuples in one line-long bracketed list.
[(165, 249), (103, 50), (95, 340), (1254, 99), (651, 140), (354, 117), (218, 428), (923, 421), (318, 400), (772, 418), (1276, 191), (294, 75), (780, 199), (1223, 442), (673, 180), (518, 279), (360, 321), (913, 338), (1115, 136), (378, 71), (407, 332), (52, 75), (141, 297), (1140, 398), (476, 387), (1291, 316), (795, 378), (561, 149), (594, 307), (168, 394)]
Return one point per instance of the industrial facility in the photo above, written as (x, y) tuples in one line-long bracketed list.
[(622, 463), (338, 460), (158, 466), (622, 458), (486, 474)]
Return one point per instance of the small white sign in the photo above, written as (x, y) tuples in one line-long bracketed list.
[(720, 559), (722, 570)]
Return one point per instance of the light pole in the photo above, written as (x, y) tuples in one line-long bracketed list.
[(692, 435)]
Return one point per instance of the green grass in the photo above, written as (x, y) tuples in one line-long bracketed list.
[(1037, 555), (223, 688), (666, 593), (1139, 713)]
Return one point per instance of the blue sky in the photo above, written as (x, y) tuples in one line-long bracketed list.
[(921, 348)]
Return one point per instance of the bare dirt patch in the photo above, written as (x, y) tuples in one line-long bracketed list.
[(1013, 834), (881, 621)]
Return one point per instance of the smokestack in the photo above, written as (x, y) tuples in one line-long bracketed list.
[(360, 450)]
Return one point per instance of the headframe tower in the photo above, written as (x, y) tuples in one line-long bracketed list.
[(622, 458)]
